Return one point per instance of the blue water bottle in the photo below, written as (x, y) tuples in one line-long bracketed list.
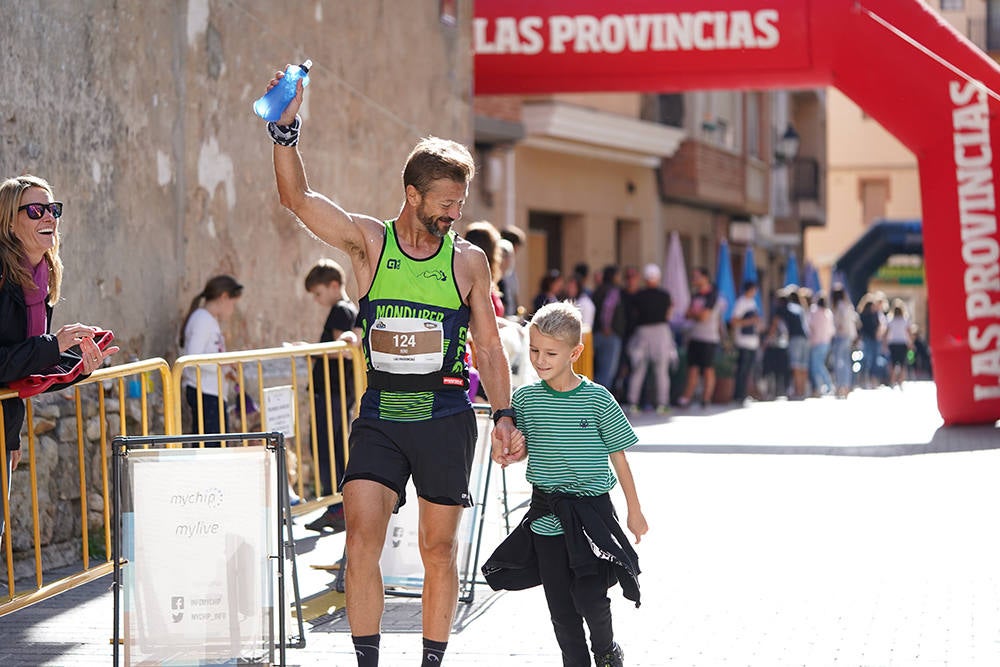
[(273, 103)]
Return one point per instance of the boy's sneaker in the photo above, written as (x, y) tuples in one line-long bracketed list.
[(632, 409), (662, 410), (613, 658)]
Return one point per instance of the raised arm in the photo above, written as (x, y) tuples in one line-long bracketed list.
[(360, 236)]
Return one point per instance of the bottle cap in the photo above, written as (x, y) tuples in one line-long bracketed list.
[(306, 65)]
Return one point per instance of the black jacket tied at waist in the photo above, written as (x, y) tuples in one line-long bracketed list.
[(590, 526)]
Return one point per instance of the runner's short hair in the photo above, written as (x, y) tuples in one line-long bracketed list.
[(433, 159), (560, 320)]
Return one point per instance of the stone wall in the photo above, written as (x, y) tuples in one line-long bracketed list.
[(57, 468)]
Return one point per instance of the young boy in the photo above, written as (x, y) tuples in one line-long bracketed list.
[(325, 281), (571, 426)]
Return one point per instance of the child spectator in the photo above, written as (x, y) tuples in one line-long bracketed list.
[(572, 426), (202, 334), (325, 281)]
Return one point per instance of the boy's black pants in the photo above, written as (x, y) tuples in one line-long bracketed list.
[(572, 600), (323, 442)]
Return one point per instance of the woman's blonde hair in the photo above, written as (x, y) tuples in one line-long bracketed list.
[(11, 249)]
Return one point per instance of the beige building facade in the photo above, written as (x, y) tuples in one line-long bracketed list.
[(870, 175), (579, 180), (606, 178)]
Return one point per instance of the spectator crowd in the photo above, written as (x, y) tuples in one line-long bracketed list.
[(800, 344)]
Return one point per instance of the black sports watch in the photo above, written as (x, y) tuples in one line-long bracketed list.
[(506, 412)]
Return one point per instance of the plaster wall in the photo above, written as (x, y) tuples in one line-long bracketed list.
[(139, 114)]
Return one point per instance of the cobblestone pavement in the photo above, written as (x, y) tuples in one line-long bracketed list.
[(816, 533)]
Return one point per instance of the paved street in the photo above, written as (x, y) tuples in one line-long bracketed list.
[(815, 533)]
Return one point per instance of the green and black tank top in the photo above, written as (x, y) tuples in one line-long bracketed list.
[(414, 326)]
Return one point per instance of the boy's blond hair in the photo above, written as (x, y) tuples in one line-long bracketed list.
[(559, 320)]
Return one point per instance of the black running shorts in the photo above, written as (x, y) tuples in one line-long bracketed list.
[(437, 453), (701, 354), (897, 353)]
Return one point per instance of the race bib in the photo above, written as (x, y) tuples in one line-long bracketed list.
[(406, 345)]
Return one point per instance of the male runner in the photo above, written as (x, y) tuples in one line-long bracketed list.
[(424, 291)]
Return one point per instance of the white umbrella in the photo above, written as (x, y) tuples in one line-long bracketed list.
[(675, 280)]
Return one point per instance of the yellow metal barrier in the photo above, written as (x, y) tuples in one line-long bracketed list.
[(585, 364), (106, 382), (234, 365), (136, 381)]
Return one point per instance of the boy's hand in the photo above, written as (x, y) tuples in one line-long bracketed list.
[(637, 525), (508, 444)]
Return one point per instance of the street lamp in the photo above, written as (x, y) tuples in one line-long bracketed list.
[(787, 146)]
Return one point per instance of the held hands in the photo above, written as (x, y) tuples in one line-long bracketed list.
[(509, 444), (288, 116)]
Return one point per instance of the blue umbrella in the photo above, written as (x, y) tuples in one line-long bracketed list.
[(727, 290), (792, 270), (812, 278), (750, 274)]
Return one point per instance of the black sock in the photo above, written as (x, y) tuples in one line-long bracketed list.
[(366, 650), (433, 653)]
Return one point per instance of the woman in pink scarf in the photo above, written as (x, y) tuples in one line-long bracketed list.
[(30, 278)]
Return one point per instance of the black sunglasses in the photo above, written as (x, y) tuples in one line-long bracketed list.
[(36, 211)]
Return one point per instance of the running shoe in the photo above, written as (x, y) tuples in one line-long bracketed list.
[(613, 658)]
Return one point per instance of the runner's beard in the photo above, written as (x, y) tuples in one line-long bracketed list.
[(432, 224)]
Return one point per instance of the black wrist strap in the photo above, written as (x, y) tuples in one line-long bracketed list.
[(285, 135), (505, 412)]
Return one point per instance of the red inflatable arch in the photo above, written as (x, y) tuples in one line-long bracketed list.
[(897, 59)]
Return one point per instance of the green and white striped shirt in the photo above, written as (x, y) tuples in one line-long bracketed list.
[(570, 435)]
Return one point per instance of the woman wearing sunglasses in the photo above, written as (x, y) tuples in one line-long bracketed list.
[(30, 276)]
